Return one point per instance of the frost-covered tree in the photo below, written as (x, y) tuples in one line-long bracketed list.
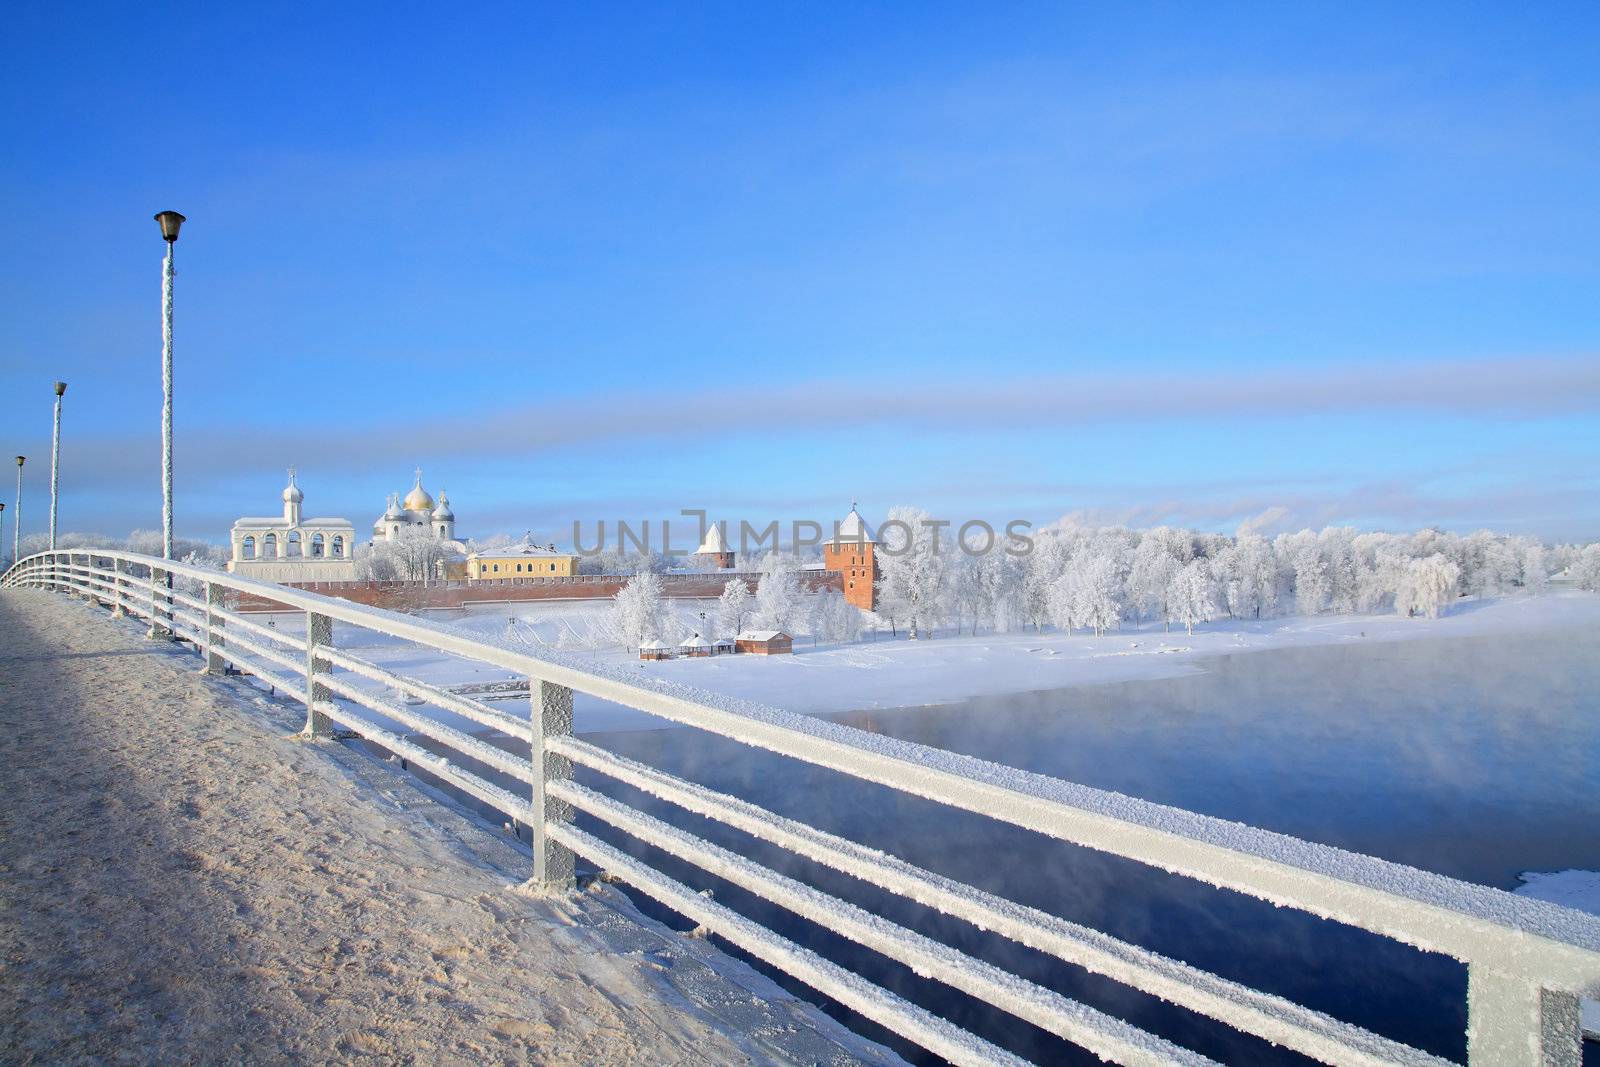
[(1533, 574), (1253, 577), (1492, 568), (1382, 581), (1429, 586), (412, 556), (1586, 568), (1191, 597), (997, 581), (1155, 562), (963, 596), (1304, 557), (734, 606), (835, 619), (1099, 590), (636, 615), (913, 560), (778, 597), (1064, 601), (1336, 547), (1040, 570)]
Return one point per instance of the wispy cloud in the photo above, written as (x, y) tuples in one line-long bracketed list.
[(1489, 389)]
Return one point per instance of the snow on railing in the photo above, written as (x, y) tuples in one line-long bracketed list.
[(1528, 961)]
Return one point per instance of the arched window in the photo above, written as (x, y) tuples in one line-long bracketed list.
[(247, 550), (269, 546), (292, 546), (317, 546), (338, 546)]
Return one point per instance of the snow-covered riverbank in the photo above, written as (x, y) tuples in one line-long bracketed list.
[(894, 672)]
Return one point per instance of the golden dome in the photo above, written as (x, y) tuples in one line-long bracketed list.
[(418, 499)]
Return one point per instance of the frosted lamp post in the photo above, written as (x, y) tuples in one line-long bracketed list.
[(16, 516), (169, 222), (55, 463)]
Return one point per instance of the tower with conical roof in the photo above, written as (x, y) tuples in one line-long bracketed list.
[(714, 551), (852, 551)]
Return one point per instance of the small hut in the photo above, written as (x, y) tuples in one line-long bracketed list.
[(653, 649), (722, 646), (765, 642), (694, 646)]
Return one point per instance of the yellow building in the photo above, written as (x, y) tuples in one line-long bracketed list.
[(521, 561)]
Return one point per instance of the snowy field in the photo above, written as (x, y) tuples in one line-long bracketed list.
[(882, 671)]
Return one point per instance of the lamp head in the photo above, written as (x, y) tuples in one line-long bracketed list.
[(170, 221), (21, 460), (61, 388)]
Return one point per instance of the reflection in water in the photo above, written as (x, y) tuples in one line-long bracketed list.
[(1471, 757)]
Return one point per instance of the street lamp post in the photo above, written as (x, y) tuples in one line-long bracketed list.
[(169, 221), (55, 463), (16, 517)]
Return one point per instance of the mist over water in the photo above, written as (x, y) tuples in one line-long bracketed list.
[(1478, 758)]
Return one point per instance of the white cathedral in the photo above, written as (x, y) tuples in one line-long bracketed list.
[(292, 548), (418, 515)]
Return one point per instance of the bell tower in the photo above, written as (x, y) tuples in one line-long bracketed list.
[(292, 499)]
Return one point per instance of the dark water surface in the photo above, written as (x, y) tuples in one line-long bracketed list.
[(1477, 758)]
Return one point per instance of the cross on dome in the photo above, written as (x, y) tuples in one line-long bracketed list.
[(418, 499)]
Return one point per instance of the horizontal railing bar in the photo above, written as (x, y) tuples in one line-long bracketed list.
[(465, 744), (867, 999), (237, 622), (1557, 947), (471, 709), (1271, 1018), (1107, 1037), (284, 685), (491, 794), (272, 655)]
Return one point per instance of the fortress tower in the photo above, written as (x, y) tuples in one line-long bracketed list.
[(852, 552)]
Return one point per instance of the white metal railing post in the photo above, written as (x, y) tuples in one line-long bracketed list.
[(319, 632), (118, 607), (554, 865), (215, 599), (159, 630), (1511, 1022)]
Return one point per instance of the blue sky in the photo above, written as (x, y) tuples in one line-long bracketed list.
[(1161, 263)]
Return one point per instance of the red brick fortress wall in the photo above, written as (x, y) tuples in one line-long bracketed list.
[(416, 596)]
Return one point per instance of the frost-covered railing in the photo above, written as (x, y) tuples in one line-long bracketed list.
[(1528, 961)]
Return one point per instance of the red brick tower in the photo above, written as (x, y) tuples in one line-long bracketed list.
[(851, 552)]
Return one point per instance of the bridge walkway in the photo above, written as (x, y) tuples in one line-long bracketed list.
[(183, 880)]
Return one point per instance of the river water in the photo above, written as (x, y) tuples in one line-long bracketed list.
[(1477, 758)]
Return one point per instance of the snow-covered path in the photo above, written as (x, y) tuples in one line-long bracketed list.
[(181, 880)]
